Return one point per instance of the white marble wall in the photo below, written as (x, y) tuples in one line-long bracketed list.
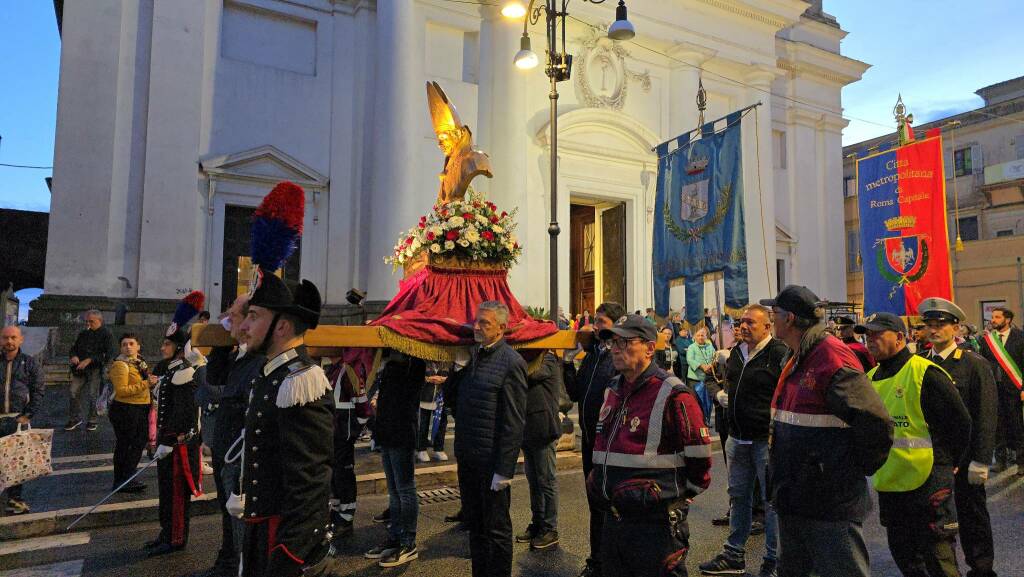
[(336, 89)]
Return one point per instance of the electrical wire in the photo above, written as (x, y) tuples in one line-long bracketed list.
[(25, 166)]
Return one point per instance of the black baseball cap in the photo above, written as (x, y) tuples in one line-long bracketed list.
[(844, 321), (631, 326), (795, 299), (881, 322)]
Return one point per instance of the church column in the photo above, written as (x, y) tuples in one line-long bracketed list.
[(398, 198), (807, 199), (758, 186), (503, 134), (685, 78), (834, 246), (170, 262)]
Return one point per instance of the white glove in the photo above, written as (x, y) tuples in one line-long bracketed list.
[(977, 473), (193, 356), (162, 451), (498, 482), (235, 505), (723, 399)]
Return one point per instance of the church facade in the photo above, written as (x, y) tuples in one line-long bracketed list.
[(176, 118)]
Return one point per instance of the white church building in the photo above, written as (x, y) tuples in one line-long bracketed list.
[(176, 117)]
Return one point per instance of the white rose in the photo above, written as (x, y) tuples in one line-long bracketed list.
[(456, 221), (416, 244), (497, 229), (448, 245), (472, 235), (435, 247), (463, 242), (436, 230)]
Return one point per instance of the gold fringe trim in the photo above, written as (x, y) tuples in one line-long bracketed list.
[(419, 349), (732, 312)]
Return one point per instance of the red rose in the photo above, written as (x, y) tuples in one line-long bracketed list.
[(515, 245), (488, 235), (423, 225), (452, 235), (503, 214), (430, 236), (476, 205), (408, 240), (467, 215), (491, 205), (494, 220), (423, 218)]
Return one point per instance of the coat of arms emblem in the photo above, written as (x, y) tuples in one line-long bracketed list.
[(693, 201)]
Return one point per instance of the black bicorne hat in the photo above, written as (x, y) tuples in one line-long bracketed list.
[(303, 302)]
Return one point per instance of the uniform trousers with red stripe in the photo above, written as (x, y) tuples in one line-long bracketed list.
[(261, 540), (179, 478)]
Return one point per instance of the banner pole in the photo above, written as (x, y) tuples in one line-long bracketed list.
[(718, 306)]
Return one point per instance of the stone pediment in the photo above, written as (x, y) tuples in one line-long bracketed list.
[(603, 134), (783, 235), (266, 165)]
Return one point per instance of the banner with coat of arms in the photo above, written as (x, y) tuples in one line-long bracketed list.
[(698, 220), (903, 233)]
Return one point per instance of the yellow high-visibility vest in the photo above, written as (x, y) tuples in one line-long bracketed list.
[(911, 457)]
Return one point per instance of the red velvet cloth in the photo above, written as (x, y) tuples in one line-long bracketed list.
[(438, 306)]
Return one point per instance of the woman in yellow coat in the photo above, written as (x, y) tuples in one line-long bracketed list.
[(129, 411)]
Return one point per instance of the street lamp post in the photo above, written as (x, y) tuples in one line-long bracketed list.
[(558, 68)]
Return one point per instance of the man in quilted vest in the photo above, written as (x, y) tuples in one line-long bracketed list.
[(490, 413), (652, 455)]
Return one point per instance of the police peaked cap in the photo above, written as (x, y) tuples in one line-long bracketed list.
[(304, 302), (938, 309)]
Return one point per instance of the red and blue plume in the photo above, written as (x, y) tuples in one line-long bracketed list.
[(189, 307), (277, 226)]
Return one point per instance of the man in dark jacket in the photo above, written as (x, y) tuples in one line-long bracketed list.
[(915, 485), (973, 378), (751, 375), (490, 412), (21, 392), (829, 430), (1003, 347), (229, 374), (395, 431), (586, 386), (543, 428), (93, 348), (846, 334)]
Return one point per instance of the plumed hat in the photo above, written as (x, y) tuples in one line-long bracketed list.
[(276, 229), (188, 308), (302, 302)]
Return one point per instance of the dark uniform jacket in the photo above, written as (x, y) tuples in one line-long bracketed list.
[(177, 413), (586, 386), (543, 389), (750, 388), (1014, 345), (26, 386), (867, 361), (973, 378), (230, 375), (489, 409), (289, 447)]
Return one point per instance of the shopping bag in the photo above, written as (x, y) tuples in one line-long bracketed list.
[(25, 455), (104, 398)]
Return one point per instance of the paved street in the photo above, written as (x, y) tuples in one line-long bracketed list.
[(116, 551)]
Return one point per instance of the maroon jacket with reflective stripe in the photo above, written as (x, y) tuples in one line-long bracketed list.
[(650, 434)]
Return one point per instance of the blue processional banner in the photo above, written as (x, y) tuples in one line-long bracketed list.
[(698, 223)]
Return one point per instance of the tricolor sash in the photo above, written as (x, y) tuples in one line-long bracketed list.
[(1004, 359)]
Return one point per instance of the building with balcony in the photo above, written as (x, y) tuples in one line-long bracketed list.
[(983, 153)]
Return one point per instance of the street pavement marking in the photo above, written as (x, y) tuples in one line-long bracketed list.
[(1003, 492), (40, 543), (80, 458), (64, 569)]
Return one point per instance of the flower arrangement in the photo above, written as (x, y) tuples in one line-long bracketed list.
[(470, 229)]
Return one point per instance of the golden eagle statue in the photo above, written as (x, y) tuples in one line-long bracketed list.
[(462, 161)]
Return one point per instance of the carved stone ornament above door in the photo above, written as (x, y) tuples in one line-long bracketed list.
[(602, 77)]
